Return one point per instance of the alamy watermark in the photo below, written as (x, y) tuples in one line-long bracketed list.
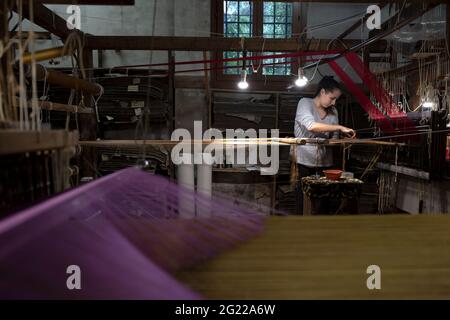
[(74, 19), (374, 280), (374, 20), (73, 281), (241, 147)]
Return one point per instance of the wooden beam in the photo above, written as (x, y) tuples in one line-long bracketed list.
[(404, 170), (413, 66), (47, 105), (358, 23), (54, 106), (47, 19), (208, 43), (38, 35), (412, 12), (380, 34), (29, 141)]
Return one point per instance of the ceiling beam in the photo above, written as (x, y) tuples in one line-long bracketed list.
[(208, 43), (410, 13), (47, 19), (372, 40), (354, 26), (413, 66)]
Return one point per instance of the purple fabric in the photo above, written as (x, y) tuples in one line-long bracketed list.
[(127, 232)]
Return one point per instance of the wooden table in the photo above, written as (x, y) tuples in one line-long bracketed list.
[(322, 189)]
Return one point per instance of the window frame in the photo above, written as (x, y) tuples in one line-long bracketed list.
[(258, 80)]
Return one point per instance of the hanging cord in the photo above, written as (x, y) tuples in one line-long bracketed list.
[(396, 162), (244, 55), (447, 99), (145, 117), (24, 123), (320, 59), (372, 163), (8, 103), (243, 73), (73, 42), (36, 113), (380, 191), (96, 104), (13, 88), (260, 61), (345, 155), (2, 85)]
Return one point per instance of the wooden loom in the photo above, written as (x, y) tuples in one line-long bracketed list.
[(244, 141)]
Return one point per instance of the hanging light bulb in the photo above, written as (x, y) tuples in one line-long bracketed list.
[(243, 84), (429, 105), (302, 80), (430, 101)]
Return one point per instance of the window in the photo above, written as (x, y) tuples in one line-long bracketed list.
[(279, 66), (237, 22), (260, 19), (275, 21)]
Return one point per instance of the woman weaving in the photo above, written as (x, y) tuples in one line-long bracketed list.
[(317, 118)]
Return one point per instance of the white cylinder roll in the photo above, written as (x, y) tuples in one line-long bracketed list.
[(204, 184), (204, 175), (185, 177)]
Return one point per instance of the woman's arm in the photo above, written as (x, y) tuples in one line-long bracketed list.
[(304, 116), (323, 127)]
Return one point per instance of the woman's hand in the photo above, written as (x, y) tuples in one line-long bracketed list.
[(348, 133)]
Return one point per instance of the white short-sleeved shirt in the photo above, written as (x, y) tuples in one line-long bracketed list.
[(311, 155)]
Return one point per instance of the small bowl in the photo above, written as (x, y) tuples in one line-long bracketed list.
[(333, 174)]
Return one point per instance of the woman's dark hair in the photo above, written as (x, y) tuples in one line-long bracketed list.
[(328, 83)]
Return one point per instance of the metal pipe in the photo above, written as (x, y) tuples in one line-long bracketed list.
[(46, 54), (66, 81)]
